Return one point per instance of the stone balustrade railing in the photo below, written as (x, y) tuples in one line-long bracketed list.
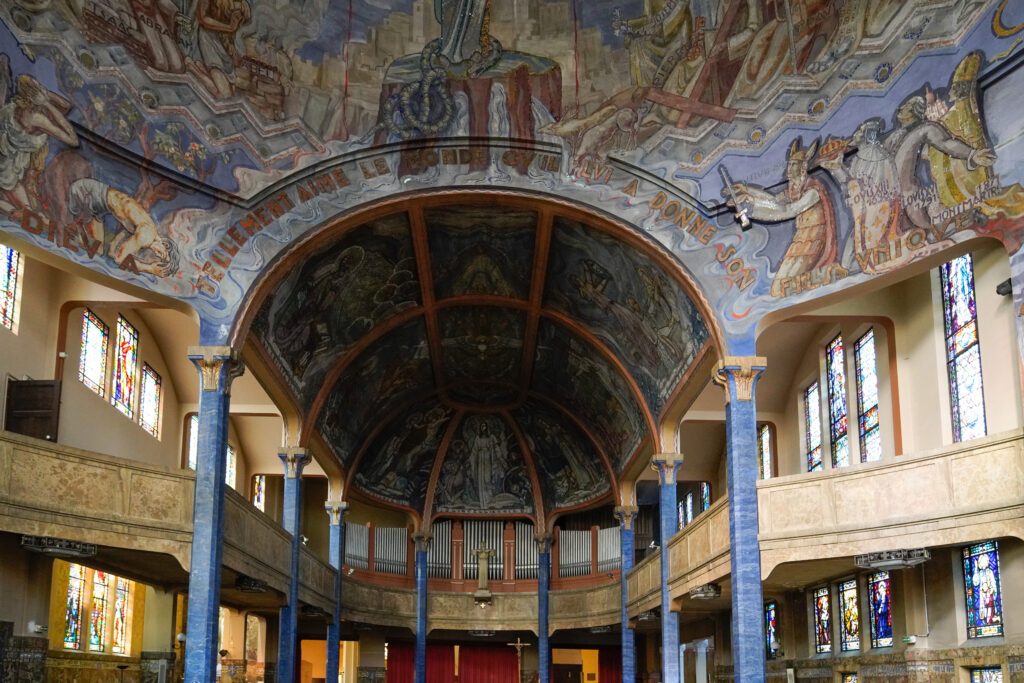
[(953, 495)]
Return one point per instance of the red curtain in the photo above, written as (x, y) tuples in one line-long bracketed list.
[(487, 664), (400, 660), (440, 663), (609, 665)]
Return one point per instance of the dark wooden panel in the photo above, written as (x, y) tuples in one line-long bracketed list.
[(33, 408)]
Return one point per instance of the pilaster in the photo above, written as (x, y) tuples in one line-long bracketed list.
[(626, 514), (667, 465), (336, 512), (294, 460)]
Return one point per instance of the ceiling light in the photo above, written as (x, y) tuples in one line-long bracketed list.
[(649, 615), (481, 633), (893, 559), (59, 547), (708, 591), (246, 584)]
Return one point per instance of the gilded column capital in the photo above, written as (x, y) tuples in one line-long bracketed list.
[(422, 540), (335, 511), (217, 365), (737, 375), (666, 465), (543, 541), (626, 514), (294, 460)]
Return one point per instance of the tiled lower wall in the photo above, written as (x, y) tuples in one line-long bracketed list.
[(22, 658), (924, 666)]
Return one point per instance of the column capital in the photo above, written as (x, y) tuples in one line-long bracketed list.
[(738, 374), (543, 541), (422, 540), (294, 460), (626, 514), (666, 465), (336, 511), (217, 365)]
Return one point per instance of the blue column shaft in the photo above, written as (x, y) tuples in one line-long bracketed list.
[(543, 646), (335, 550), (748, 651), (667, 508), (420, 660), (287, 650), (628, 637), (201, 632)]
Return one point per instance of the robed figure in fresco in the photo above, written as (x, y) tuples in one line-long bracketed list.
[(464, 28)]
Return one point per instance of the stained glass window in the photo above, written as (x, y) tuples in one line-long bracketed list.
[(982, 590), (149, 400), (92, 368), (880, 597), (230, 471), (73, 610), (689, 507), (812, 418), (705, 496), (992, 674), (10, 273), (771, 628), (963, 354), (681, 514), (259, 492), (193, 441), (835, 367), (98, 618), (849, 625), (849, 678), (867, 397), (764, 451), (126, 355), (822, 620), (119, 641)]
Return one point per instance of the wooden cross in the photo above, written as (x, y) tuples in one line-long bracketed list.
[(519, 645)]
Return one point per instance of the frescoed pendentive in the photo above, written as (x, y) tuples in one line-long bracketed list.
[(622, 296), (567, 369), (391, 371), (477, 250), (484, 469), (568, 465), (336, 297), (482, 343), (397, 465)]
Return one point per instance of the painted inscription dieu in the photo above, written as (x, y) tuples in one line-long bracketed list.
[(182, 147)]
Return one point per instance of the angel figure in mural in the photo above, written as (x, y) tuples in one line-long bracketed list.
[(30, 115), (212, 35), (804, 199)]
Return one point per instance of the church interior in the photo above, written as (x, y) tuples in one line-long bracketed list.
[(511, 341)]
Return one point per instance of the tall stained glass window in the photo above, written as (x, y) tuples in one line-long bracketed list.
[(705, 496), (822, 620), (119, 642), (149, 400), (126, 366), (992, 674), (193, 441), (73, 610), (880, 598), (982, 590), (867, 397), (963, 354), (231, 468), (259, 492), (849, 678), (812, 420), (10, 274), (98, 617), (771, 628), (764, 451), (92, 368), (689, 507), (835, 367), (849, 625)]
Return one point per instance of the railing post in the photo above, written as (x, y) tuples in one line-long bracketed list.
[(218, 366), (738, 375)]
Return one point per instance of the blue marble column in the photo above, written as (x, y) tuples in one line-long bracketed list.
[(419, 671), (626, 514), (543, 587), (738, 375), (667, 465), (336, 549), (218, 366), (294, 460)]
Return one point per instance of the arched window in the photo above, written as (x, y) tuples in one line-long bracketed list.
[(126, 355), (259, 492), (98, 615), (880, 599), (764, 451), (73, 608), (10, 287), (149, 400), (835, 367), (100, 605), (92, 366), (812, 427), (865, 366), (983, 591), (963, 353)]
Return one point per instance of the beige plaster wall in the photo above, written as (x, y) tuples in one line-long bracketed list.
[(29, 351), (25, 582), (158, 630)]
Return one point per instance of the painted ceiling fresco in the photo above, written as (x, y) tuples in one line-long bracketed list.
[(339, 295), (627, 301), (476, 250), (482, 343), (189, 147)]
